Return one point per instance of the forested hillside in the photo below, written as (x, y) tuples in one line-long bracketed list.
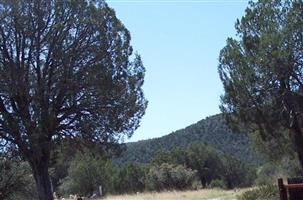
[(212, 131)]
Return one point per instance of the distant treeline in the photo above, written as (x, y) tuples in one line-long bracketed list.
[(192, 167), (196, 166), (188, 168), (204, 155), (212, 131)]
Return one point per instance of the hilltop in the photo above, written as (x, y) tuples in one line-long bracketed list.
[(211, 130)]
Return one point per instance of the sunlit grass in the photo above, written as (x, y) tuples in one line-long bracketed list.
[(206, 194)]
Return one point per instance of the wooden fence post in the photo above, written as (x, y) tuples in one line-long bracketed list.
[(282, 189)]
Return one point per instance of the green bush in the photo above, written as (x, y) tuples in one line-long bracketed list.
[(16, 180), (129, 179), (265, 192), (236, 173), (169, 177), (209, 164), (85, 173), (271, 171)]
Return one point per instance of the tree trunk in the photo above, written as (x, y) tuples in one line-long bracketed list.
[(40, 171)]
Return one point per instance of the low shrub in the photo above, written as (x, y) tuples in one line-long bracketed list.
[(217, 183), (16, 180), (85, 174), (170, 177), (271, 171), (129, 179)]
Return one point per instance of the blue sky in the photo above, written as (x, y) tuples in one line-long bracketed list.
[(179, 42)]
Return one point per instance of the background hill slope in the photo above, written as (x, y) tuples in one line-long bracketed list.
[(212, 131)]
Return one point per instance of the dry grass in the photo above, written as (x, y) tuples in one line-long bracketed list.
[(206, 194)]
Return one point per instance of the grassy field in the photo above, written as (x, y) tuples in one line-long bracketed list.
[(206, 194)]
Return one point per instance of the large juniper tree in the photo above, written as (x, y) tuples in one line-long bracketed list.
[(66, 71), (262, 71)]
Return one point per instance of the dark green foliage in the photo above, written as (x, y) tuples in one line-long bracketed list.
[(236, 173), (61, 159), (66, 150), (271, 171), (273, 149), (67, 70), (217, 183), (129, 179), (265, 192), (209, 164), (205, 160), (16, 180), (192, 167), (212, 131), (85, 173), (171, 177), (163, 156), (262, 73)]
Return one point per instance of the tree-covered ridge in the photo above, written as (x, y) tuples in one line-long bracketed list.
[(212, 131)]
